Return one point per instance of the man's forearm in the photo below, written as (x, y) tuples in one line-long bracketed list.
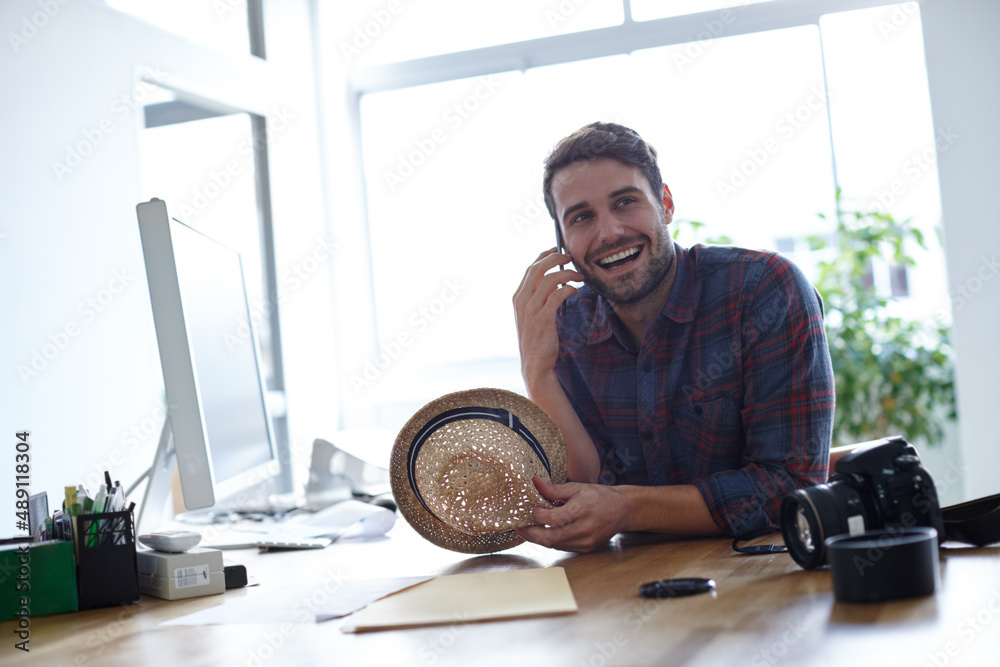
[(547, 393), (675, 510)]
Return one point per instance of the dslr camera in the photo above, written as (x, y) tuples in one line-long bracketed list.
[(880, 484)]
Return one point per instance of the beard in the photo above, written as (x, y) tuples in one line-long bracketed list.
[(634, 287)]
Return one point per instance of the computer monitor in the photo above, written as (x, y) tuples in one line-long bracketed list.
[(217, 416)]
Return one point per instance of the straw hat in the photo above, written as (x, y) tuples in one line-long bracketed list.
[(461, 468)]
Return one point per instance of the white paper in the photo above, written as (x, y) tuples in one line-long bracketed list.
[(296, 603)]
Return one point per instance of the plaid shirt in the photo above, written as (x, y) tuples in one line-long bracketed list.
[(731, 389)]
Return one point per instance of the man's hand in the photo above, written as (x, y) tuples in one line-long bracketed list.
[(589, 515), (535, 304)]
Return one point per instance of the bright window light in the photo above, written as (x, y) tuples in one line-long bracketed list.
[(743, 129), (647, 10), (371, 32)]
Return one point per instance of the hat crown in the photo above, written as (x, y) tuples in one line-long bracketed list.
[(462, 468), (475, 475)]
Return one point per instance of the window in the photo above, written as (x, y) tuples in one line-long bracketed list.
[(373, 32), (755, 132), (645, 10)]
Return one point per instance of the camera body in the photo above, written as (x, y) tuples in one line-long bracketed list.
[(879, 485)]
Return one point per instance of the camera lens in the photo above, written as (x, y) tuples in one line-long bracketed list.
[(809, 516), (804, 530)]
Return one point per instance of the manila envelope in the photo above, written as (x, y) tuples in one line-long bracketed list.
[(466, 598)]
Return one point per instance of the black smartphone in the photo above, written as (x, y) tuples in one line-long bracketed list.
[(560, 248)]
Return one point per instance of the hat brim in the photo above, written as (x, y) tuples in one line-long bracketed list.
[(425, 522)]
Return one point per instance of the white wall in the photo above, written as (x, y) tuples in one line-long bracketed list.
[(963, 67), (95, 402)]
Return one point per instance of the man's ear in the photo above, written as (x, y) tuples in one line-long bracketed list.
[(668, 204)]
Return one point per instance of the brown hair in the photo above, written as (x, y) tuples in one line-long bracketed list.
[(602, 140)]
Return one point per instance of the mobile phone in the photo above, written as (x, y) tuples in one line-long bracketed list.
[(560, 248), (675, 588)]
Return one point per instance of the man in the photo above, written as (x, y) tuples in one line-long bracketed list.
[(693, 387)]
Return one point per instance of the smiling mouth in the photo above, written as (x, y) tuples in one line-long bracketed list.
[(620, 259)]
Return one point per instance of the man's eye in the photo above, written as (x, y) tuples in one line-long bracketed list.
[(625, 201), (579, 217)]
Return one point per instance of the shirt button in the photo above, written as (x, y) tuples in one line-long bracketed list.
[(647, 366), (647, 435)]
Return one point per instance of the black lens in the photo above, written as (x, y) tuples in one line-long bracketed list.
[(809, 516)]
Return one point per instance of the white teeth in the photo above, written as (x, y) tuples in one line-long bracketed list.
[(617, 256)]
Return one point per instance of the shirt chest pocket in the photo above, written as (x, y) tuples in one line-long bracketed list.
[(705, 437)]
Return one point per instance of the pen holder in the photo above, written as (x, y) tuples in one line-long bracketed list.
[(106, 572)]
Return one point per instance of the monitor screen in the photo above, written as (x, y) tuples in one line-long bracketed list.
[(216, 401), (214, 299)]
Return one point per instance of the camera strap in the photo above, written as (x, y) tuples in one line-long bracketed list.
[(974, 522), (758, 549)]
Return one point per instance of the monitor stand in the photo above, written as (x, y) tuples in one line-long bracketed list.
[(153, 511), (157, 510)]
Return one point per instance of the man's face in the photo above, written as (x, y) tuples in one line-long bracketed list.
[(615, 227)]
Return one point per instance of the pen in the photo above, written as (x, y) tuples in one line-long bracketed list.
[(69, 498), (95, 527), (109, 525)]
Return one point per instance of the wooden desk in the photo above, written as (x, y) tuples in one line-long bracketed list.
[(767, 611)]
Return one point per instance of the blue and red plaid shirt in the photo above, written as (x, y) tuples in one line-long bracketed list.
[(731, 389)]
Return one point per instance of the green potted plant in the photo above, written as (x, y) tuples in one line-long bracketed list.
[(893, 375)]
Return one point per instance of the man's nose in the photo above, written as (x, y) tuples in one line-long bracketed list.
[(609, 227)]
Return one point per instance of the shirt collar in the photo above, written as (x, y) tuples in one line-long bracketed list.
[(680, 305)]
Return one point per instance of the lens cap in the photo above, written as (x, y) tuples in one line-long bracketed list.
[(884, 564)]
